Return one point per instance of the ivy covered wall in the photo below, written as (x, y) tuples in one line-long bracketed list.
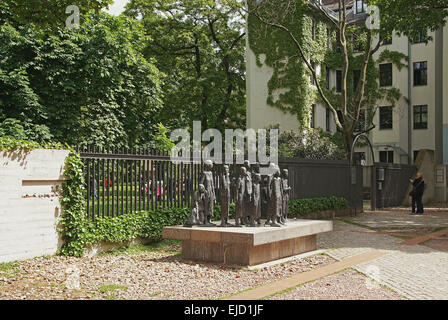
[(291, 78)]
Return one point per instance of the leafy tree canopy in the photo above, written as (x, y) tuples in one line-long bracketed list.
[(200, 46), (309, 144), (50, 13), (89, 85)]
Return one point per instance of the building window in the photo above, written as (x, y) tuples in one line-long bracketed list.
[(313, 116), (420, 117), (386, 75), (327, 119), (338, 80), (312, 78), (386, 118), (327, 78), (421, 37), (420, 73), (356, 77), (360, 7), (387, 156)]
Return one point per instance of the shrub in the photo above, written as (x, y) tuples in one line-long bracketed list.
[(302, 207), (309, 144)]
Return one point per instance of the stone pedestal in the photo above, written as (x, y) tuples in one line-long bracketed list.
[(248, 246)]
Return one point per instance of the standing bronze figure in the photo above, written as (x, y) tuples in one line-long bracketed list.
[(225, 194), (256, 201), (197, 208), (240, 197), (275, 200), (207, 181), (286, 189), (248, 193)]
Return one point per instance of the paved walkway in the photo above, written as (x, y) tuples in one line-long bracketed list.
[(416, 272), (304, 277), (411, 269)]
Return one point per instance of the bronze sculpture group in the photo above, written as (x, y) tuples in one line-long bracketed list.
[(253, 196)]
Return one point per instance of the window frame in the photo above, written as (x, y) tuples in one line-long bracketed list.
[(421, 72), (382, 125), (360, 7), (339, 81), (327, 119), (422, 37), (389, 156), (420, 113), (389, 83), (313, 116)]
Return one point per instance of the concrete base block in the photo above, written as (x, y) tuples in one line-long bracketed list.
[(248, 246)]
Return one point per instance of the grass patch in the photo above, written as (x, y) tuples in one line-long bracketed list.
[(112, 287), (111, 297), (167, 245), (9, 269), (155, 294)]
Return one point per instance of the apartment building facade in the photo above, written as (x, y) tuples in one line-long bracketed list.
[(418, 121)]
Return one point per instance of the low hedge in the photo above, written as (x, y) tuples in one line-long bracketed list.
[(298, 207), (302, 207), (124, 228)]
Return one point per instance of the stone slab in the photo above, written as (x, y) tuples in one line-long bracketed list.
[(247, 246), (247, 235)]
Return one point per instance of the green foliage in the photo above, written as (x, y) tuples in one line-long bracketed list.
[(13, 128), (78, 231), (9, 269), (50, 14), (89, 85), (283, 34), (9, 144), (162, 141), (290, 77), (302, 207), (74, 222), (200, 46), (112, 287), (410, 17), (309, 144)]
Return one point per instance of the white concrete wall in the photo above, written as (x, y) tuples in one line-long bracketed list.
[(30, 184)]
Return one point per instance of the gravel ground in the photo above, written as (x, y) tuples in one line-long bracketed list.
[(345, 285), (148, 275)]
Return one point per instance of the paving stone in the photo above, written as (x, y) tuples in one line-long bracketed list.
[(416, 272)]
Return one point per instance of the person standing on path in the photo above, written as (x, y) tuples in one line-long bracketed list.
[(418, 187)]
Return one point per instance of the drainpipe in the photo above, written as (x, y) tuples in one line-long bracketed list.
[(410, 153)]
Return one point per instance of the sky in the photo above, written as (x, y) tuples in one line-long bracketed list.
[(117, 7)]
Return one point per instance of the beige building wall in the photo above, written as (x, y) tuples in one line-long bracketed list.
[(259, 114), (425, 95), (30, 184)]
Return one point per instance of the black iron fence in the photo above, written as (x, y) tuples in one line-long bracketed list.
[(120, 181), (324, 178), (392, 183)]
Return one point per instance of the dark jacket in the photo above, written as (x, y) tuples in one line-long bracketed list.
[(418, 187)]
